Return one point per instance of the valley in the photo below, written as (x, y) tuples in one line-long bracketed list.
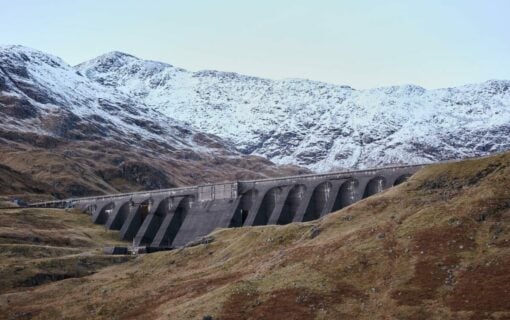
[(434, 247)]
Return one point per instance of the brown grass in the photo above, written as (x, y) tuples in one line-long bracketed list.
[(483, 286), (106, 166), (38, 246), (435, 247)]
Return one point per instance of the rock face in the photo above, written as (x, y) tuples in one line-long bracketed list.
[(80, 137), (319, 125)]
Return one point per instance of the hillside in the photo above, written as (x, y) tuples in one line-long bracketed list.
[(72, 136), (318, 125), (14, 182), (38, 246), (435, 247)]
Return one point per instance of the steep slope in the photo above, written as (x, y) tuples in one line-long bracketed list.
[(80, 137), (13, 182), (435, 247), (318, 125)]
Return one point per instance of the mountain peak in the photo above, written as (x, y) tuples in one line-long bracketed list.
[(20, 54), (18, 48), (115, 61), (109, 60), (117, 55)]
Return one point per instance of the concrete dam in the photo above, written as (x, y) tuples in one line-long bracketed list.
[(172, 218)]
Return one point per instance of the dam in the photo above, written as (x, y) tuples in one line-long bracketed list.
[(171, 218)]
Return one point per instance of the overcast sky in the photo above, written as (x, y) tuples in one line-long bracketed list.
[(364, 44)]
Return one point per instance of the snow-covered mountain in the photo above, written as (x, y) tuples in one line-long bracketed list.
[(43, 94), (319, 125), (81, 137)]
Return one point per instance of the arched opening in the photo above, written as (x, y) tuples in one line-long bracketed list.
[(346, 195), (291, 205), (374, 186), (243, 208), (121, 216), (155, 222), (401, 179), (105, 213), (320, 196), (267, 206), (178, 218), (129, 229), (144, 209)]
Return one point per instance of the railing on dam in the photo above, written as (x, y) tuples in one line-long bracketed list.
[(336, 173), (206, 188)]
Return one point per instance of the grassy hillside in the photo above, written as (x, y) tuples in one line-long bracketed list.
[(84, 168), (435, 247), (39, 246), (12, 182)]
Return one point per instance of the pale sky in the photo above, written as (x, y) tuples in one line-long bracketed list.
[(364, 44)]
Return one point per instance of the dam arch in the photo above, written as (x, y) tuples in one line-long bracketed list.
[(144, 209), (139, 211), (347, 194), (375, 185), (267, 206), (104, 213), (150, 225), (318, 201), (176, 219), (243, 208), (119, 215), (292, 203), (401, 179)]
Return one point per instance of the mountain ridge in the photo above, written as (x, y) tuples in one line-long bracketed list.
[(319, 125), (80, 137), (206, 70)]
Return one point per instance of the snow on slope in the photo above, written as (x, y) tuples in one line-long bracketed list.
[(319, 125), (76, 137), (57, 96)]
